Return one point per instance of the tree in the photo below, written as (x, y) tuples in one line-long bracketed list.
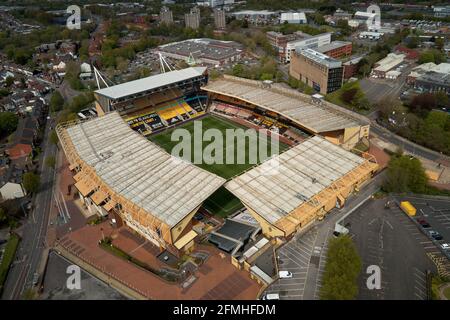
[(50, 161), (31, 182), (405, 174), (9, 81), (8, 123), (432, 55), (56, 101), (238, 70), (340, 278), (413, 42), (348, 95), (423, 102)]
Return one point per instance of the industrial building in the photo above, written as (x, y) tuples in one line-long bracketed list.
[(292, 108), (118, 171), (204, 51), (319, 71), (433, 82), (256, 16), (386, 64), (424, 68), (371, 35), (293, 17), (310, 179), (337, 49)]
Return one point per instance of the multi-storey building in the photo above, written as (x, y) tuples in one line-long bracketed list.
[(165, 15), (321, 72), (219, 19), (285, 45), (192, 19), (337, 49)]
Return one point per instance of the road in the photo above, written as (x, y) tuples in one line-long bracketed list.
[(408, 146), (32, 246)]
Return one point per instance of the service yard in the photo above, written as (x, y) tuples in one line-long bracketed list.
[(391, 240)]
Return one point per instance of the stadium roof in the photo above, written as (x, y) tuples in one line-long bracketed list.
[(166, 187), (141, 85), (302, 172), (313, 117)]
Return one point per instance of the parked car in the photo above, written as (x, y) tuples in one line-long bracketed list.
[(271, 296), (435, 235), (35, 278), (423, 223), (445, 246), (285, 274)]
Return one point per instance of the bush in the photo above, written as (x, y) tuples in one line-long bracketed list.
[(405, 174), (31, 182), (8, 123), (343, 266), (56, 102)]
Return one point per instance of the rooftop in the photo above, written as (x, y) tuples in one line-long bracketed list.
[(254, 12), (133, 167), (320, 58), (141, 85), (333, 45), (285, 102), (203, 48), (302, 172), (389, 62), (295, 16)]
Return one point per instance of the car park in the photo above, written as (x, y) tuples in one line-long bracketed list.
[(285, 274), (423, 223), (435, 235)]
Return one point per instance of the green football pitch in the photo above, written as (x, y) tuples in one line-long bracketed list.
[(221, 202)]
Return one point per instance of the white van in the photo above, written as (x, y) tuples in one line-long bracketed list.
[(271, 296)]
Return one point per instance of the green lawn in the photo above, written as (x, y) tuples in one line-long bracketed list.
[(7, 258), (222, 202)]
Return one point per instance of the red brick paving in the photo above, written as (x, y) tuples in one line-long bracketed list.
[(379, 154), (223, 281)]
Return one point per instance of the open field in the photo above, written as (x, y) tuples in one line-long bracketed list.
[(222, 202)]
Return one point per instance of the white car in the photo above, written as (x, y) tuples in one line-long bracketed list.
[(271, 296), (285, 274), (445, 246)]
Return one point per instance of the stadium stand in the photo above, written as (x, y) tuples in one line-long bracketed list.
[(154, 193), (276, 103), (306, 181)]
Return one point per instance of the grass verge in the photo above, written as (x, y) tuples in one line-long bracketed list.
[(7, 258)]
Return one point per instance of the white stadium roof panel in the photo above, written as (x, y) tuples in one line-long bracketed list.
[(141, 85), (132, 166), (311, 116), (303, 171)]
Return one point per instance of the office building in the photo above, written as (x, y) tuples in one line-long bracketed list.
[(324, 74)]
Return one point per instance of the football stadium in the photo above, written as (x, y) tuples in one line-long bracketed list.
[(123, 165)]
